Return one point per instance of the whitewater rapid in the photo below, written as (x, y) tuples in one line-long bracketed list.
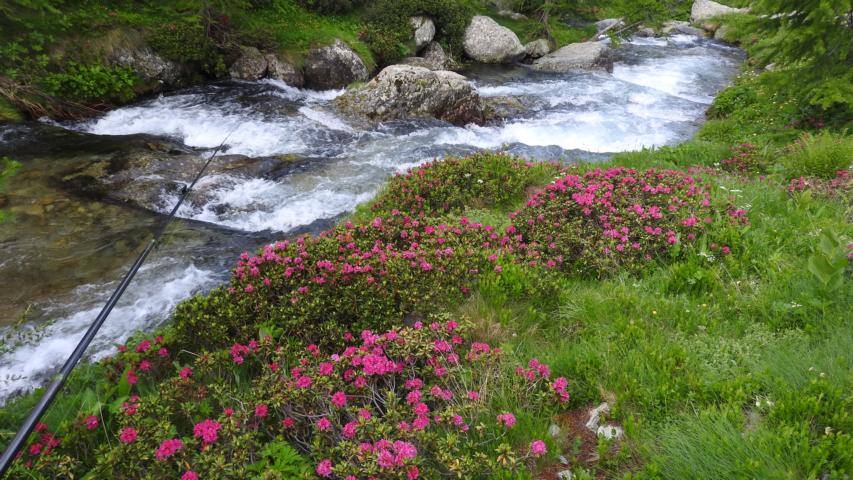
[(656, 95)]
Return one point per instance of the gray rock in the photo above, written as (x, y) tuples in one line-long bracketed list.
[(587, 55), (126, 48), (704, 9), (602, 25), (722, 33), (405, 91), (424, 29), (433, 58), (487, 42), (564, 475), (645, 32), (283, 70), (334, 66), (504, 107), (251, 65), (434, 54), (681, 27), (148, 65), (537, 48), (512, 15)]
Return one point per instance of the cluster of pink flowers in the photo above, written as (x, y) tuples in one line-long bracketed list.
[(842, 183), (207, 430), (607, 218), (168, 448)]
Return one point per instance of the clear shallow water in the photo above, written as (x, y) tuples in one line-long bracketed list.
[(64, 244)]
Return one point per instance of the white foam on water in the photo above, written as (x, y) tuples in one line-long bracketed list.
[(292, 93), (325, 119), (149, 300)]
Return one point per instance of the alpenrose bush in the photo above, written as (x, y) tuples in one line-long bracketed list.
[(605, 221), (482, 180), (413, 402), (349, 278)]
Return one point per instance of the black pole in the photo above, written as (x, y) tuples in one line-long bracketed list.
[(59, 380)]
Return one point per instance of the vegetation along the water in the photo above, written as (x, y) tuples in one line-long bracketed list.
[(669, 313)]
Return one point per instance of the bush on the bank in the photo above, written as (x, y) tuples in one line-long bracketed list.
[(822, 155), (449, 186), (410, 403), (92, 83), (352, 277), (190, 44), (606, 221), (389, 33)]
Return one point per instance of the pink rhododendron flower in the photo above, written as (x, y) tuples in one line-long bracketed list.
[(324, 468), (189, 475), (339, 399), (261, 410), (507, 419), (91, 422), (168, 448), (207, 431), (538, 448), (127, 435)]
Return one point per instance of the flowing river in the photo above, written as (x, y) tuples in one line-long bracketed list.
[(291, 165)]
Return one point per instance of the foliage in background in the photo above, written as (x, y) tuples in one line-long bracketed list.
[(812, 38)]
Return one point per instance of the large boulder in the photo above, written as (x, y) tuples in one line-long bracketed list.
[(704, 9), (251, 65), (537, 48), (283, 70), (586, 55), (334, 66), (432, 57), (487, 42), (424, 29), (406, 91)]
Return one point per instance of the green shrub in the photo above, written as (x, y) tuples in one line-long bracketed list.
[(613, 220), (389, 34), (92, 83), (821, 155), (354, 277), (413, 402), (483, 180), (188, 43)]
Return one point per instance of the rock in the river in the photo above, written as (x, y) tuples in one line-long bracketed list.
[(537, 48), (433, 58), (645, 32), (404, 91), (503, 107), (586, 55), (334, 66), (608, 23), (681, 27), (704, 9), (424, 30), (251, 65), (283, 70), (487, 42)]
